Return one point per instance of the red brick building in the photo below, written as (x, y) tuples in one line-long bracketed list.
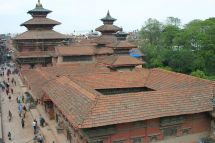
[(92, 104)]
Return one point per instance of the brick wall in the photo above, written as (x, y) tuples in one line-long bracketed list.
[(152, 130)]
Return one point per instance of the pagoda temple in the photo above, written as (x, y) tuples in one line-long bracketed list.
[(121, 46), (35, 47), (107, 30)]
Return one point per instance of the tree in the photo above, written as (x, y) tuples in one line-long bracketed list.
[(168, 36), (198, 73), (151, 31), (174, 21)]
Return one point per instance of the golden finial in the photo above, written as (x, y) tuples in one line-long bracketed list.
[(39, 4)]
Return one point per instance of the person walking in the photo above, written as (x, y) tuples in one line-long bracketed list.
[(11, 90), (9, 115), (34, 125), (23, 99), (9, 97), (23, 123), (40, 138), (20, 108), (9, 136)]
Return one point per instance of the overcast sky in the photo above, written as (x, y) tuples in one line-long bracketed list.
[(84, 15)]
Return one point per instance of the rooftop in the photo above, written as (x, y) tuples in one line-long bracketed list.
[(74, 50), (108, 18), (174, 94), (39, 9), (41, 34), (40, 21), (122, 60)]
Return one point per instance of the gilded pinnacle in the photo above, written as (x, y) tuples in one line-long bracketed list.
[(39, 4)]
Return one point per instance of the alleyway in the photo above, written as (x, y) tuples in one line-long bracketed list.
[(26, 134)]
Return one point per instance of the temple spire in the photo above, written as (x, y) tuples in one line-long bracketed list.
[(39, 4), (108, 19)]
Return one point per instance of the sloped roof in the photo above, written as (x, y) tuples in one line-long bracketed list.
[(108, 27), (160, 79), (72, 100), (113, 79), (74, 50), (108, 17), (122, 44), (40, 20), (39, 8), (106, 39), (103, 51), (175, 94), (41, 34), (38, 77), (122, 60), (116, 109)]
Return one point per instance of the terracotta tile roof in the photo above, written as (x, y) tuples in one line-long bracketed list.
[(106, 39), (40, 20), (38, 77), (175, 94), (123, 60), (74, 50), (108, 27), (41, 34), (113, 79), (76, 68), (85, 42), (103, 51), (160, 79), (122, 45), (148, 105), (82, 49), (33, 54), (71, 99)]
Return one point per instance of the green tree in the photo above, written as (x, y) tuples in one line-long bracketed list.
[(151, 31), (198, 73)]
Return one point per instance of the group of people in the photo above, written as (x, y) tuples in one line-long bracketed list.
[(7, 86)]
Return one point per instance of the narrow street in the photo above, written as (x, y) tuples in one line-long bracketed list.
[(18, 134), (26, 134)]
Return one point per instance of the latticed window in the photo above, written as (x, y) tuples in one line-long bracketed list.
[(185, 131), (119, 141), (138, 140), (77, 58), (165, 121), (168, 132), (98, 141), (153, 138)]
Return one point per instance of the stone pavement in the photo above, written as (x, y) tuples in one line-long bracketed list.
[(26, 135), (19, 135)]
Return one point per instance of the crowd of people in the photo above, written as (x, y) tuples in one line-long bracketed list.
[(8, 85)]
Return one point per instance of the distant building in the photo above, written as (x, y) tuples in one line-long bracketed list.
[(35, 47)]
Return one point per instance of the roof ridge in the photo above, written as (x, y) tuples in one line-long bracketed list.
[(182, 74)]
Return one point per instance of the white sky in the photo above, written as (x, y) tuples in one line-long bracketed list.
[(83, 15)]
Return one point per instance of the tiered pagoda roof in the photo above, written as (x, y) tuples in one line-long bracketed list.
[(121, 61), (40, 27), (39, 11), (121, 42), (107, 30)]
